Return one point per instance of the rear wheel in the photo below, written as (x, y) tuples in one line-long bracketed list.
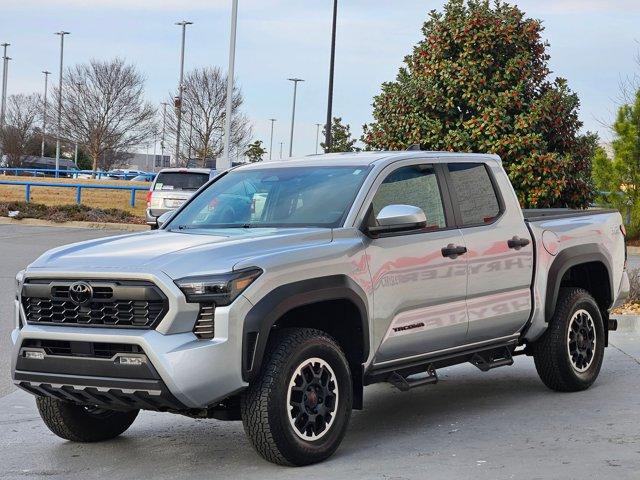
[(297, 411), (569, 355), (80, 423)]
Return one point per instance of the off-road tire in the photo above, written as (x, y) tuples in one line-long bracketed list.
[(551, 353), (77, 423), (264, 409)]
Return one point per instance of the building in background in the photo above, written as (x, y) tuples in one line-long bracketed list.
[(146, 163)]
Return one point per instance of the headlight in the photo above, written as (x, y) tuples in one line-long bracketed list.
[(19, 281), (219, 289)]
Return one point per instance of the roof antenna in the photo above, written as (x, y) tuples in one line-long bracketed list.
[(414, 148)]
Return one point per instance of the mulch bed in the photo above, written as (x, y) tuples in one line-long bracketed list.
[(68, 213)]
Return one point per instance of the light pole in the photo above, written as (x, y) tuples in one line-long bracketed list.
[(190, 132), (155, 145), (272, 120), (328, 140), (3, 93), (75, 156), (281, 143), (44, 110), (317, 135), (62, 33), (226, 161), (178, 103), (293, 111), (164, 130)]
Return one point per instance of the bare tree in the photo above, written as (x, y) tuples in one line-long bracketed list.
[(22, 114), (104, 110), (203, 115)]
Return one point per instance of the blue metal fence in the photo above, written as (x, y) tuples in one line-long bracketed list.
[(79, 187), (49, 172)]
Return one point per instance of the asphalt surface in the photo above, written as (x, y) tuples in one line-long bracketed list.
[(19, 246), (496, 425)]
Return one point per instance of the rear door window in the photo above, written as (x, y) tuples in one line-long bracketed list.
[(180, 180), (474, 192)]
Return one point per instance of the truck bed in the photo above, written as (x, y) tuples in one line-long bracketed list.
[(538, 214)]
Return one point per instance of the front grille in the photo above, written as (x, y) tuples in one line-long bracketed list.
[(120, 304)]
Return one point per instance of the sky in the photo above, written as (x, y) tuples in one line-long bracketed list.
[(593, 44)]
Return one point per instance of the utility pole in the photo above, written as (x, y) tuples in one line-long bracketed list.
[(164, 130), (226, 161), (62, 33), (178, 101), (317, 135), (190, 131), (3, 93), (293, 111), (44, 110), (155, 145), (328, 140), (272, 120), (75, 156)]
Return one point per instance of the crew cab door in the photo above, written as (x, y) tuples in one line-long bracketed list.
[(418, 290), (500, 252)]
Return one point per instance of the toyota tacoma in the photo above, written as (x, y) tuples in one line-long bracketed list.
[(278, 291)]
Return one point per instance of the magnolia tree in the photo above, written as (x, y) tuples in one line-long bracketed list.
[(479, 82), (104, 110), (204, 98)]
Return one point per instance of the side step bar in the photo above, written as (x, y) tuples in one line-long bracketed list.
[(404, 384), (491, 359), (484, 360)]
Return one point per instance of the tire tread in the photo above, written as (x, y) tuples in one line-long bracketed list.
[(550, 357)]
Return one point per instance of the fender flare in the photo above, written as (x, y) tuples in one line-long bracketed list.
[(568, 258), (266, 312)]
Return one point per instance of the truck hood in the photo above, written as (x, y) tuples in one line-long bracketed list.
[(177, 254)]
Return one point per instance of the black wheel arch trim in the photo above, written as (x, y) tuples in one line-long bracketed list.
[(266, 312), (568, 258)]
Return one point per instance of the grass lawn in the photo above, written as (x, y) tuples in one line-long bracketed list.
[(54, 196)]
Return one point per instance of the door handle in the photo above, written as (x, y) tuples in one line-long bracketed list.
[(517, 242), (452, 251)]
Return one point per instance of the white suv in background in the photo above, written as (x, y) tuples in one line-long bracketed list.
[(171, 188)]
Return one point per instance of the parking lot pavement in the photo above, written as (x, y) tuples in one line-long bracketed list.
[(496, 425), (20, 245)]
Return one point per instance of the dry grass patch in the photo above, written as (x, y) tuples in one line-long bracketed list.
[(56, 196)]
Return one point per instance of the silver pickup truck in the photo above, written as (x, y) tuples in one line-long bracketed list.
[(280, 290)]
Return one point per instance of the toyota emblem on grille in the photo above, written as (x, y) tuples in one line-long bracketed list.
[(80, 293)]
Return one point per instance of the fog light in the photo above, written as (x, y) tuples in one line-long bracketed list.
[(34, 355), (131, 360)]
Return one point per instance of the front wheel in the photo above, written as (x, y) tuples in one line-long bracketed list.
[(297, 410), (569, 355), (80, 423)]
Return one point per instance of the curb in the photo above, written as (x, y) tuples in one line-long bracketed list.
[(633, 250), (126, 227)]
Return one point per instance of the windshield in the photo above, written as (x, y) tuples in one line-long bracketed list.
[(180, 180), (274, 197)]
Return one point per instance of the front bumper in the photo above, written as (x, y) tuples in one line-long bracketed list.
[(196, 373)]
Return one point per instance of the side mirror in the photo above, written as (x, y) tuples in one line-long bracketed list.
[(399, 218), (164, 218)]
